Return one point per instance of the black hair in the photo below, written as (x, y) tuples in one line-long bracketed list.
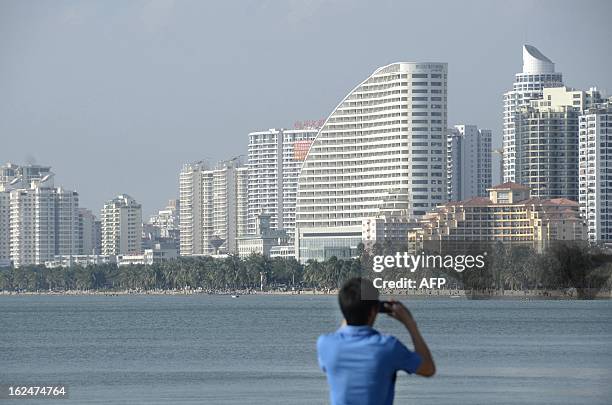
[(357, 297)]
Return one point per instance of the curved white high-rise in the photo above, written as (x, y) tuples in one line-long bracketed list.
[(381, 150), (538, 73)]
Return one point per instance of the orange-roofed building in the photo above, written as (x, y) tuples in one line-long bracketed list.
[(508, 215)]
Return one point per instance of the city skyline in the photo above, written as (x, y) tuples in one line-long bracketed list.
[(129, 122)]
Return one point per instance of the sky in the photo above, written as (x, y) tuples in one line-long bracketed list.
[(116, 95)]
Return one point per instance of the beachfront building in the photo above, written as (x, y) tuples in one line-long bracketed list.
[(546, 142), (498, 157), (87, 232), (79, 260), (468, 162), (263, 240), (159, 252), (383, 229), (43, 221), (538, 73), (213, 207), (285, 251), (384, 141), (508, 215), (595, 171), (167, 220), (274, 159), (5, 234), (97, 237), (121, 227), (24, 174), (242, 200)]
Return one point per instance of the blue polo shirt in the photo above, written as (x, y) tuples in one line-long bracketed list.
[(361, 364)]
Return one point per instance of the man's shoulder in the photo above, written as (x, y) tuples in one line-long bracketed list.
[(327, 338), (375, 336), (389, 341)]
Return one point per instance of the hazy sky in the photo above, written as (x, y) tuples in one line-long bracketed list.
[(117, 95)]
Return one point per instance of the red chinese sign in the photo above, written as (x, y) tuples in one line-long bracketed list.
[(309, 124)]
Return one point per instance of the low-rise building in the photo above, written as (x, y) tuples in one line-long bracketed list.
[(508, 215), (393, 229), (263, 240), (283, 251), (79, 260), (159, 253), (127, 260)]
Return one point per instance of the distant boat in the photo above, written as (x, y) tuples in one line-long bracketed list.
[(235, 296)]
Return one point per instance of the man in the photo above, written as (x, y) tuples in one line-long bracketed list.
[(360, 363)]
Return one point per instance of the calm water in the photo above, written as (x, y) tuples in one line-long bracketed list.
[(261, 350)]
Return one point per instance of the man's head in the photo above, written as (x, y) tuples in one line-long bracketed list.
[(359, 301)]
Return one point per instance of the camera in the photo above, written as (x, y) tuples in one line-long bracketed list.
[(384, 309)]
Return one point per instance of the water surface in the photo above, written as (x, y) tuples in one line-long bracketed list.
[(261, 349)]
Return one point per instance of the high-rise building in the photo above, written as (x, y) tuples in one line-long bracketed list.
[(468, 162), (595, 171), (67, 221), (87, 232), (97, 237), (44, 222), (274, 160), (383, 145), (546, 142), (190, 216), (213, 206), (538, 73), (10, 172), (121, 221), (5, 234), (498, 153), (167, 220), (242, 200)]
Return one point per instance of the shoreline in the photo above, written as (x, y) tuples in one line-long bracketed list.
[(419, 294)]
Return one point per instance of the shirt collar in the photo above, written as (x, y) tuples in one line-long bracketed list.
[(357, 330)]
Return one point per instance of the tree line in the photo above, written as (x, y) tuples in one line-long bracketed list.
[(206, 273), (563, 266)]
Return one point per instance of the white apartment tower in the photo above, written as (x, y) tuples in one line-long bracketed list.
[(242, 200), (468, 162), (5, 252), (121, 222), (538, 73), (383, 146), (546, 142), (213, 207), (44, 222), (274, 159), (595, 171)]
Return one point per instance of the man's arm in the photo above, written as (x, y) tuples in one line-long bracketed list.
[(401, 313)]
